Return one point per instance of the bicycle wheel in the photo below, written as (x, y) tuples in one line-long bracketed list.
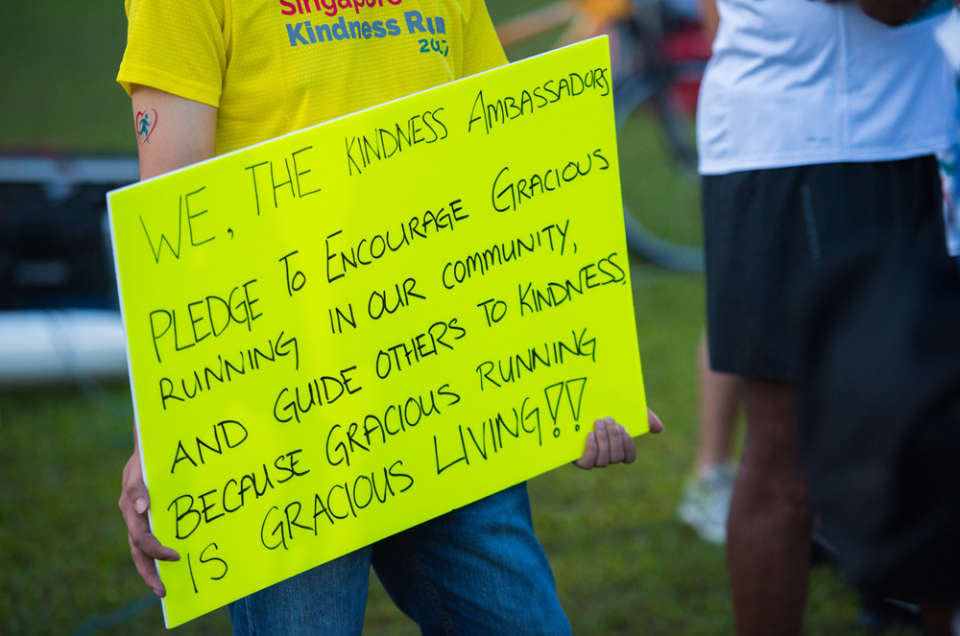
[(659, 180)]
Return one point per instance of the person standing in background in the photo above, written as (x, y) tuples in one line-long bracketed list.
[(817, 125)]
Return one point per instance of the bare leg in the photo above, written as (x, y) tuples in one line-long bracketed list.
[(720, 396), (768, 540), (706, 498)]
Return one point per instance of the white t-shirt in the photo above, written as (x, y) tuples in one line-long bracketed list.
[(795, 82)]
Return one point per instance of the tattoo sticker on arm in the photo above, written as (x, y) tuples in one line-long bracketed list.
[(146, 121)]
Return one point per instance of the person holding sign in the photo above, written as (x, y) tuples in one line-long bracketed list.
[(212, 76)]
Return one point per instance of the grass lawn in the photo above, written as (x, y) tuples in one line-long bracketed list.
[(623, 563)]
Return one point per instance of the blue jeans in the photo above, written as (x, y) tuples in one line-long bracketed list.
[(476, 570)]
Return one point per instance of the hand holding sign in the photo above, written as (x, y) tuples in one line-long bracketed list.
[(610, 443), (144, 547)]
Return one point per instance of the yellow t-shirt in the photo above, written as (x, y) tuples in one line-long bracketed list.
[(274, 66)]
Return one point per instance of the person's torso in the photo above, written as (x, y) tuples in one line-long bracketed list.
[(796, 82), (294, 63)]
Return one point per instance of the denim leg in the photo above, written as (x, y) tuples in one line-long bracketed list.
[(329, 599), (477, 570)]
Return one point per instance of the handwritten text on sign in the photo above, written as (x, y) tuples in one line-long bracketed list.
[(346, 331)]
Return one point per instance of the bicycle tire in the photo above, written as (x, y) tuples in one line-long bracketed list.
[(632, 96)]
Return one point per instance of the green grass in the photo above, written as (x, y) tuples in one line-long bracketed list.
[(623, 563), (664, 196), (59, 61)]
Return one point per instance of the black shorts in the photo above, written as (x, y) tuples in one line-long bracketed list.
[(767, 231)]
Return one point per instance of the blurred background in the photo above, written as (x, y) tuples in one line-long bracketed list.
[(623, 561)]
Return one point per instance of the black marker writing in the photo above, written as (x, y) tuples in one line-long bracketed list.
[(184, 209), (284, 177)]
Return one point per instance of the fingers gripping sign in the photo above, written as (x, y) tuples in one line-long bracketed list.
[(144, 547), (610, 443)]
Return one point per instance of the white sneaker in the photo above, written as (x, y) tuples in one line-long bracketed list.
[(706, 503)]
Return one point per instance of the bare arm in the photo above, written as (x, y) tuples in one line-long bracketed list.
[(172, 132)]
